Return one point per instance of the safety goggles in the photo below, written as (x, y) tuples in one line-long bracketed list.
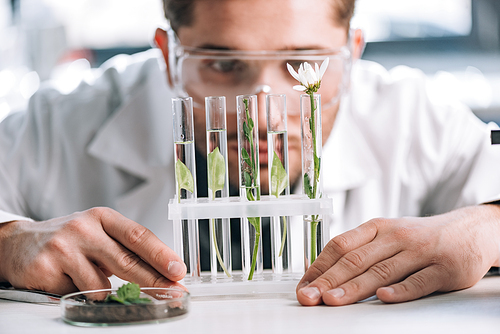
[(199, 72)]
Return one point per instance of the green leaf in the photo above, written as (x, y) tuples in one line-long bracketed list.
[(247, 131), (129, 291), (127, 294), (279, 179), (250, 124), (317, 164), (184, 176), (255, 223), (247, 178), (114, 298), (249, 194), (247, 114), (249, 119), (246, 157), (216, 170), (307, 186)]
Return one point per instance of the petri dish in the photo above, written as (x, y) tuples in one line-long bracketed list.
[(88, 309)]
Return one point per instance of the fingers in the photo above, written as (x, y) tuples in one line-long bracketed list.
[(45, 275), (106, 272), (86, 275), (139, 240), (422, 283), (46, 280), (79, 252), (129, 266), (61, 285), (337, 248), (380, 274), (364, 269)]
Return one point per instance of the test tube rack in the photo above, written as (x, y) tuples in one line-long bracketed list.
[(236, 207)]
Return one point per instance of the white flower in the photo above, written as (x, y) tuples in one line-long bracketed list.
[(309, 78)]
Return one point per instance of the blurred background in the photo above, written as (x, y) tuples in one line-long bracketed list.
[(455, 42)]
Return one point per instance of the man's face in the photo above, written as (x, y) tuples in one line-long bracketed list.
[(263, 25)]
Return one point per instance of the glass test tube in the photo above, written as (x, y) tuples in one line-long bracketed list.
[(186, 242), (218, 185), (279, 184), (248, 158), (314, 229)]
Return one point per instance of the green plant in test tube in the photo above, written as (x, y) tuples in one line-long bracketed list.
[(279, 182), (277, 141), (250, 177), (186, 242), (184, 178), (216, 180), (310, 81), (217, 176)]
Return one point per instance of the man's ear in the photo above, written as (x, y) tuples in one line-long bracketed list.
[(358, 43), (161, 41)]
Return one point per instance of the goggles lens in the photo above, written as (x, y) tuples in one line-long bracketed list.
[(203, 72)]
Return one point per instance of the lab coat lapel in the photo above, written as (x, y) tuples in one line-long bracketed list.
[(137, 140)]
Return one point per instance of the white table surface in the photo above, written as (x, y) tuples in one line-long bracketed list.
[(473, 310)]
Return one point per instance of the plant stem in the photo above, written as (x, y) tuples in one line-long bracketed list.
[(219, 258), (283, 238), (313, 134), (315, 178), (314, 228), (278, 180), (254, 221), (252, 149), (254, 255)]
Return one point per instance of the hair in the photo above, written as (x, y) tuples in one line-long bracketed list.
[(180, 12), (343, 11)]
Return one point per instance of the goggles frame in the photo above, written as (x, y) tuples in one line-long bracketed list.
[(178, 53)]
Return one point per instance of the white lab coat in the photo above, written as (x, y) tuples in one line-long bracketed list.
[(392, 152)]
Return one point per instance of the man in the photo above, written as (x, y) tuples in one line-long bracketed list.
[(389, 152)]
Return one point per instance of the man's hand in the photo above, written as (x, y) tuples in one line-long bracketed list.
[(79, 252), (404, 259)]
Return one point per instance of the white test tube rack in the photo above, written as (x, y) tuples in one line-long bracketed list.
[(237, 207)]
